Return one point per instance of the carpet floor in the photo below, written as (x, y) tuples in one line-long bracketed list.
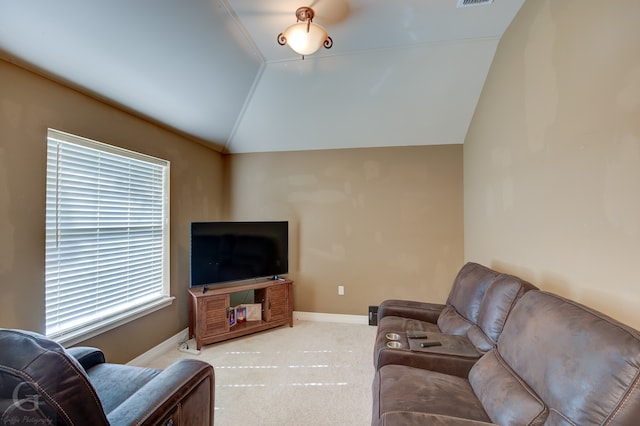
[(315, 373)]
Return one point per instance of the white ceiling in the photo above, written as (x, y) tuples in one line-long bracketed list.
[(399, 73)]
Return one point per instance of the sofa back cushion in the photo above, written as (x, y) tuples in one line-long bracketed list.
[(583, 365), (44, 384), (451, 322), (497, 303), (465, 298)]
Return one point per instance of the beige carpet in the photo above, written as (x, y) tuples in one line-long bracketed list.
[(316, 373)]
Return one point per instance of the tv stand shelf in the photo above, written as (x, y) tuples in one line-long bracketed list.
[(209, 310)]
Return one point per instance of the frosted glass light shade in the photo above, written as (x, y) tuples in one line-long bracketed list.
[(303, 42)]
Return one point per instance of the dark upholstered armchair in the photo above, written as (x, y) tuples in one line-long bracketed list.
[(43, 383)]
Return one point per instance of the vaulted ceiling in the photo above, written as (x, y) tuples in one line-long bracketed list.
[(402, 72)]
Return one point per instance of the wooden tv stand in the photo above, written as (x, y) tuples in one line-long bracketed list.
[(209, 311)]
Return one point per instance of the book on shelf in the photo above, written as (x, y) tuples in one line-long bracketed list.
[(241, 314), (232, 317)]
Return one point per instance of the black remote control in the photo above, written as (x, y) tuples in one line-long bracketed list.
[(429, 344), (416, 335)]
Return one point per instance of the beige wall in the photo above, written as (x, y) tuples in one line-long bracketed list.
[(383, 222), (29, 104), (552, 158)]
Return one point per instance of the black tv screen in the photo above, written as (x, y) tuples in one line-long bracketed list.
[(224, 252)]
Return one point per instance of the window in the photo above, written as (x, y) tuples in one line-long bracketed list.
[(107, 236)]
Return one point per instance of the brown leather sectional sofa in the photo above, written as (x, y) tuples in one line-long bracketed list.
[(551, 361), (43, 383)]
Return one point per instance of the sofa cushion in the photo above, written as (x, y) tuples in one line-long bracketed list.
[(497, 303), (115, 382), (402, 388), (468, 290), (451, 322), (506, 399), (584, 365)]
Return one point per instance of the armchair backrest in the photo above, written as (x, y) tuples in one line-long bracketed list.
[(41, 383)]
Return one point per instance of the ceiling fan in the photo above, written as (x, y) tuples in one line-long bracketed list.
[(327, 12), (331, 12)]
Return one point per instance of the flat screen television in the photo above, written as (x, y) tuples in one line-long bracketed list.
[(226, 252)]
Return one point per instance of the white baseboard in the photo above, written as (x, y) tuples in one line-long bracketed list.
[(341, 318), (173, 341)]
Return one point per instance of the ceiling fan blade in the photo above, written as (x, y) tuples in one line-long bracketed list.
[(327, 12), (331, 11)]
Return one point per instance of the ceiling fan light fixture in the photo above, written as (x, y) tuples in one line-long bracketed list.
[(305, 37)]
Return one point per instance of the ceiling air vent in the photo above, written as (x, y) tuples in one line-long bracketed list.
[(469, 3)]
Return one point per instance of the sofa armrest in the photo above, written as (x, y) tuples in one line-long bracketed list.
[(421, 311), (87, 356), (452, 365), (184, 390)]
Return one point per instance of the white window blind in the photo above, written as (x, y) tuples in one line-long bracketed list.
[(107, 235)]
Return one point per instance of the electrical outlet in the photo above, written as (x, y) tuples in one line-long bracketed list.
[(340, 290)]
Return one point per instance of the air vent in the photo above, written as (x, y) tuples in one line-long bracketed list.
[(469, 3)]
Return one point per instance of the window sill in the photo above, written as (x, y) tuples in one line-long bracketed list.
[(76, 336)]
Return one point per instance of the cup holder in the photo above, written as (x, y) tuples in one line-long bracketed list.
[(394, 344), (392, 336)]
